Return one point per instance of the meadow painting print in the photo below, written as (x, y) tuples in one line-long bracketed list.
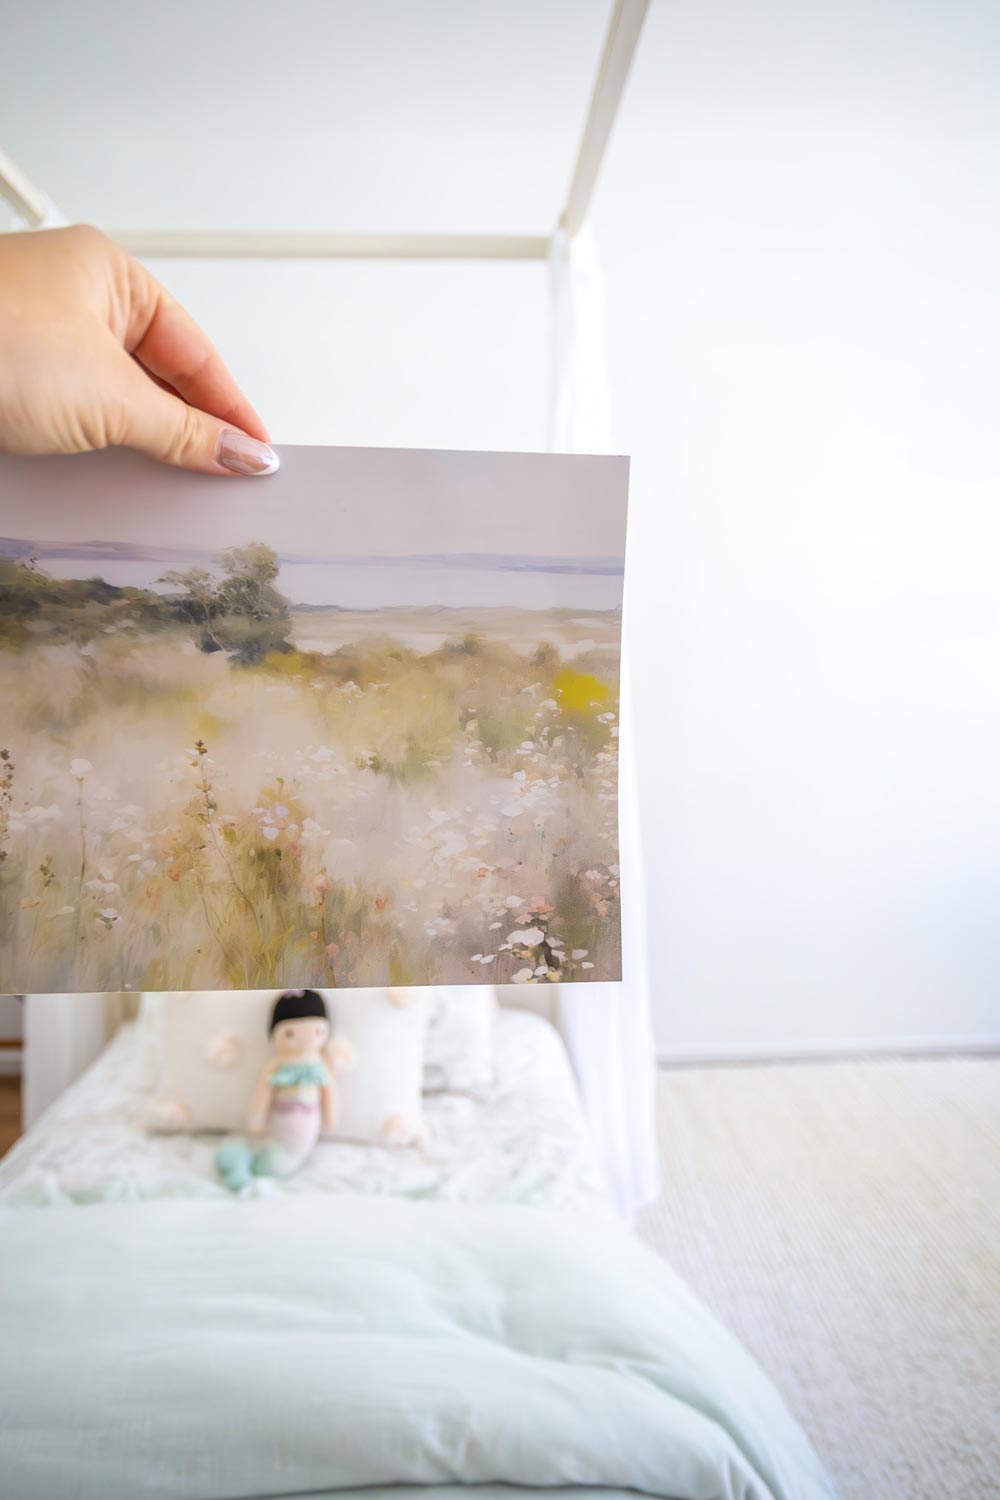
[(352, 724)]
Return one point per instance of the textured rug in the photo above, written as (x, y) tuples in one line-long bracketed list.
[(844, 1220)]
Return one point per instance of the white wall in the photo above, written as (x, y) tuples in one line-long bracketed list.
[(417, 355), (801, 216), (800, 221)]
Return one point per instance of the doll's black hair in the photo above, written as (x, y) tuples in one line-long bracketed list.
[(298, 1005)]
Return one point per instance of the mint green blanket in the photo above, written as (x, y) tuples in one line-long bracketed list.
[(314, 1345)]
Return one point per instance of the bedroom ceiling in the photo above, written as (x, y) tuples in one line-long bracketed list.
[(428, 116), (313, 115)]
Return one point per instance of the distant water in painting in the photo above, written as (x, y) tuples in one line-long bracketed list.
[(387, 583)]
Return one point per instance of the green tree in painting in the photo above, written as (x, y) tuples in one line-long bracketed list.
[(241, 613), (199, 599), (248, 587)]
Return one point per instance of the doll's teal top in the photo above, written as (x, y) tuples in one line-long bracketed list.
[(298, 1075)]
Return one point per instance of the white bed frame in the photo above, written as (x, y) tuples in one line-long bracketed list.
[(607, 1032), (35, 210)]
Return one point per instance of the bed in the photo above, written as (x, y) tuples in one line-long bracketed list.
[(524, 1142), (469, 1312)]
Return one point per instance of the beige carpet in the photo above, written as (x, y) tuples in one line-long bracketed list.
[(844, 1220)]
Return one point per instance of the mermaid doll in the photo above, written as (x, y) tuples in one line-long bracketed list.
[(295, 1097)]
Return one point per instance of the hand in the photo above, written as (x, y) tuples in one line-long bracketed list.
[(97, 354)]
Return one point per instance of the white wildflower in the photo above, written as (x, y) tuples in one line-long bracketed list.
[(527, 937)]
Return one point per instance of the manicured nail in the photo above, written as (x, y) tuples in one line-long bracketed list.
[(245, 455)]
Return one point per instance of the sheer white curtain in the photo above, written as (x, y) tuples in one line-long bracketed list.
[(607, 1027)]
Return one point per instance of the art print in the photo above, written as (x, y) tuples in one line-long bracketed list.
[(354, 724)]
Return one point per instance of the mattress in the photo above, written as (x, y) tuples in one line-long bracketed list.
[(526, 1141)]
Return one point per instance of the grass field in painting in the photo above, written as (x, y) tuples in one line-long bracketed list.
[(407, 796)]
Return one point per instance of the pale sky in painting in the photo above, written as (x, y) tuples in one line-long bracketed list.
[(329, 502)]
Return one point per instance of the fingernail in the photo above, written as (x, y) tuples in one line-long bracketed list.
[(245, 455)]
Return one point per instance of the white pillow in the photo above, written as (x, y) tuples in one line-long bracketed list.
[(214, 1043), (383, 1033), (459, 1054)]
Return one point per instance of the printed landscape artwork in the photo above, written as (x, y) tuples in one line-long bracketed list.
[(354, 724)]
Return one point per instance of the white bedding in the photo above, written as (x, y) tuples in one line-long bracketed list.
[(198, 1349), (385, 1348), (525, 1142)]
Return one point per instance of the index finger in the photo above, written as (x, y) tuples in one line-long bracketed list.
[(169, 344)]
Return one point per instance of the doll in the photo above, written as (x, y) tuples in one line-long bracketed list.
[(295, 1097)]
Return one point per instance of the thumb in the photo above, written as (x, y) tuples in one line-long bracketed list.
[(155, 421)]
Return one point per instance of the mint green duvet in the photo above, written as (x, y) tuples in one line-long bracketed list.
[(321, 1345)]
